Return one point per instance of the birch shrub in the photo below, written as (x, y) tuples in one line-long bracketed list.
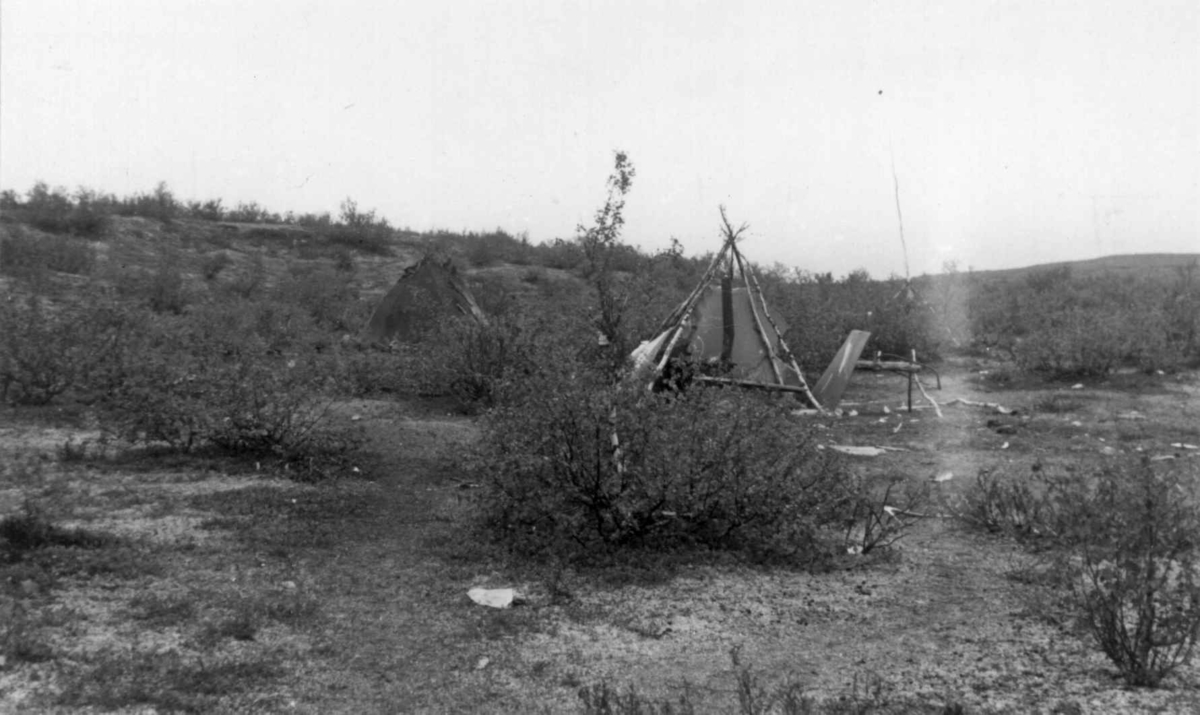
[(1119, 544), (579, 466), (1132, 548), (246, 379)]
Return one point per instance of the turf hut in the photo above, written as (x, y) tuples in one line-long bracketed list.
[(724, 332), (428, 293)]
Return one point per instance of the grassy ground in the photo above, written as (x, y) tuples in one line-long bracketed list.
[(199, 585)]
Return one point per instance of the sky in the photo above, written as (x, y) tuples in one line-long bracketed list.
[(1016, 132)]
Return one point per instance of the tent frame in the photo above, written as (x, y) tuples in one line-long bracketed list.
[(729, 260)]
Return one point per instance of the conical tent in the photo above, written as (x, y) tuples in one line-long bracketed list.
[(427, 292), (726, 328)]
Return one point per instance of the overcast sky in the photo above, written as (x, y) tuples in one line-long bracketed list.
[(1021, 132)]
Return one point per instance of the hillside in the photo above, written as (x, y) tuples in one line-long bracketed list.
[(1149, 265)]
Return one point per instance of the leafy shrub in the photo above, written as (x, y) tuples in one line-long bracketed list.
[(1133, 540), (210, 210), (1056, 323), (999, 377), (328, 295), (159, 204), (163, 610), (21, 253), (589, 466), (46, 351), (242, 378), (866, 695), (1124, 540), (20, 640), (32, 530), (364, 370), (1075, 342), (55, 211), (250, 281), (475, 362), (161, 289), (250, 212), (372, 240), (1007, 501), (822, 311), (165, 681), (882, 513), (214, 264), (1058, 403)]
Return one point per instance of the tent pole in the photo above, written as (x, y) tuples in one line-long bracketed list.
[(783, 344), (704, 281), (687, 307)]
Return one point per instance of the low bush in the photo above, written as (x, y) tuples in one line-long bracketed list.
[(372, 240), (865, 695), (1063, 325), (576, 465), (164, 681), (22, 253), (214, 264), (1009, 501), (364, 370), (328, 295), (45, 350), (56, 211), (1123, 544), (32, 530), (1058, 403), (475, 362), (20, 638), (245, 379), (1132, 541)]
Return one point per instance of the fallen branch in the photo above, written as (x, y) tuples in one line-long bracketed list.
[(925, 394), (989, 405)]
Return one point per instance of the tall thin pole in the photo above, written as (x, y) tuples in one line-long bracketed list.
[(899, 216)]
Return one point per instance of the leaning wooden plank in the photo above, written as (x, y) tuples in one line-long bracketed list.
[(833, 383)]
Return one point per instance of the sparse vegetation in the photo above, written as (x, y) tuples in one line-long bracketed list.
[(865, 695), (1133, 537), (1123, 542), (183, 389)]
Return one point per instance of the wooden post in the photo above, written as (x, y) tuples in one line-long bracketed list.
[(910, 381)]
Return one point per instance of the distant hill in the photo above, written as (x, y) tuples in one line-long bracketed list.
[(1150, 265)]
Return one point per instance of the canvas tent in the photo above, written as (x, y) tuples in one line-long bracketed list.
[(726, 328), (428, 292)]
